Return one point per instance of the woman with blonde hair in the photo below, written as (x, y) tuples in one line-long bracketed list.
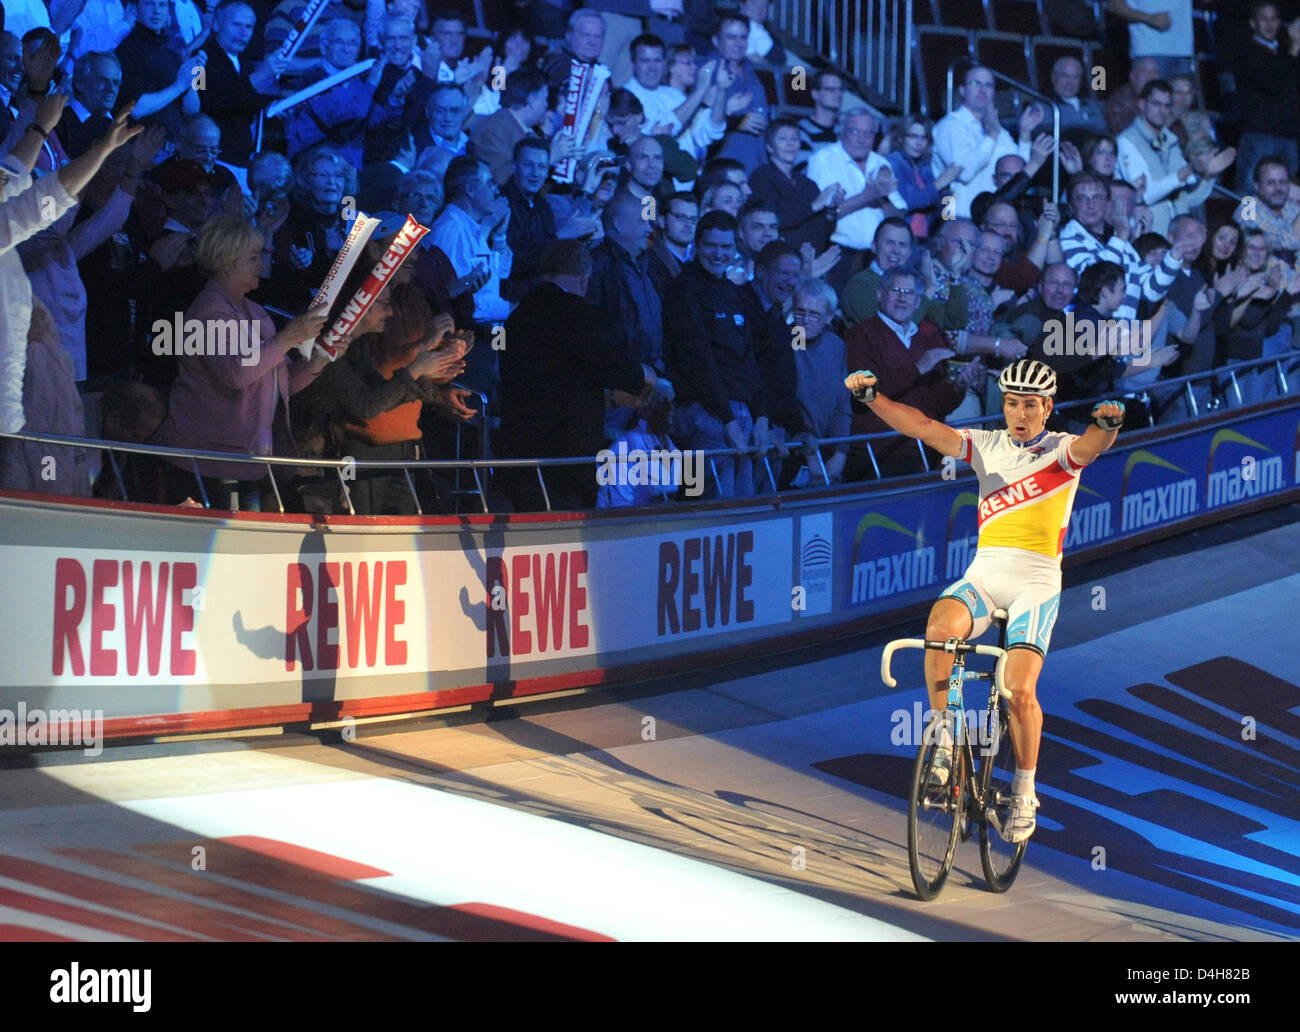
[(233, 368)]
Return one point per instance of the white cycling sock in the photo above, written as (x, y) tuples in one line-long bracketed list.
[(1023, 782)]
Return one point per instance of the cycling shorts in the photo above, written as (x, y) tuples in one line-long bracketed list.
[(1026, 584)]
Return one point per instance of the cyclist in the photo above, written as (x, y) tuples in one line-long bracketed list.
[(1027, 479)]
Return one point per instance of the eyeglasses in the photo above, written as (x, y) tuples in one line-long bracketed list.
[(975, 84), (901, 291), (802, 315)]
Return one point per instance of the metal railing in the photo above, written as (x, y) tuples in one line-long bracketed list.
[(869, 40), (1021, 87), (1223, 378)]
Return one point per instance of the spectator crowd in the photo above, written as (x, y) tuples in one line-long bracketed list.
[(664, 256)]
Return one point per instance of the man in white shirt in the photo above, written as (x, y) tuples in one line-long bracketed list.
[(472, 199), (973, 138), (695, 123), (871, 193)]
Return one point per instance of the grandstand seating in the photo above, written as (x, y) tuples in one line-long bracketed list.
[(1024, 17)]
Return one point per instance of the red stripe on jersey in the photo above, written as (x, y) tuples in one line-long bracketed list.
[(1044, 481), (1071, 461)]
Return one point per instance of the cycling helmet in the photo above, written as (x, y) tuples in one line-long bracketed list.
[(1028, 376)]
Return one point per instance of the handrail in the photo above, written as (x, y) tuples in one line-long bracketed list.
[(342, 466), (1024, 88)]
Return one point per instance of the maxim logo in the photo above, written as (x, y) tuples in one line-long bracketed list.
[(1251, 477), (1155, 505), (890, 574)]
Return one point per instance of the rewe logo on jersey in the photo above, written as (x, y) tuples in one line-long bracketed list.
[(1009, 496)]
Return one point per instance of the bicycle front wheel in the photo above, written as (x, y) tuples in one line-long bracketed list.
[(997, 766), (934, 812)]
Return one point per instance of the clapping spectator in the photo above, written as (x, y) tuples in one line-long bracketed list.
[(911, 161)]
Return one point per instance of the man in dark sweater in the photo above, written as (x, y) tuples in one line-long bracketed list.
[(777, 272), (555, 369), (236, 88), (910, 358), (710, 328), (1267, 98)]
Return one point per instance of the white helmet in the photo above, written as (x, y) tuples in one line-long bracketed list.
[(1028, 376)]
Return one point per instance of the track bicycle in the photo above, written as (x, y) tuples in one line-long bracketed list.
[(977, 789)]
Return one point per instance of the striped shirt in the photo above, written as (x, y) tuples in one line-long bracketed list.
[(1142, 281)]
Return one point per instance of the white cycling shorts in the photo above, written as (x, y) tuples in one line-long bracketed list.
[(1026, 584)]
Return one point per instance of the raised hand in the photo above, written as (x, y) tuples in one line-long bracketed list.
[(947, 176), (50, 110), (1030, 118), (1220, 160), (472, 281), (1042, 148), (863, 384), (826, 261), (1071, 159), (972, 375), (739, 102), (1049, 220), (39, 65), (146, 147), (1204, 299), (307, 326), (933, 357), (443, 324)]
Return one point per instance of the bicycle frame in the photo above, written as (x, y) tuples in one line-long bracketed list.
[(968, 795)]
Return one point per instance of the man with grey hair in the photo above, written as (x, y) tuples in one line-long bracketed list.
[(338, 115), (1080, 114), (871, 192), (236, 90), (621, 288), (819, 358), (96, 80), (583, 43), (910, 357)]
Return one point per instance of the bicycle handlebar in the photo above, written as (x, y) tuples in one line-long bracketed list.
[(953, 645)]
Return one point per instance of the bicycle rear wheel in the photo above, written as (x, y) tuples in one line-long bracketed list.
[(997, 766), (934, 813)]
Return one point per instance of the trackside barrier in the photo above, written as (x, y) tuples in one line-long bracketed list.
[(186, 620)]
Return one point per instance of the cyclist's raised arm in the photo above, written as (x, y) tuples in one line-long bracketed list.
[(903, 418), (1108, 417)]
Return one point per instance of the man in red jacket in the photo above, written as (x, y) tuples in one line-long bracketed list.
[(908, 358)]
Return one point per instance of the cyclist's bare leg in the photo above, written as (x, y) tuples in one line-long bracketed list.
[(1021, 676), (949, 618)]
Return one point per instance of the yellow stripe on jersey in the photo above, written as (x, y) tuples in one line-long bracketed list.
[(1030, 513), (1037, 526)]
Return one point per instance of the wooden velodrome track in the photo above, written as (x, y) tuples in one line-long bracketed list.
[(751, 802)]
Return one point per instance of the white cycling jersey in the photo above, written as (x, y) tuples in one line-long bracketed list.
[(1026, 491)]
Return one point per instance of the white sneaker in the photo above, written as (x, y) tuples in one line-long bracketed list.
[(940, 768), (1020, 822)]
